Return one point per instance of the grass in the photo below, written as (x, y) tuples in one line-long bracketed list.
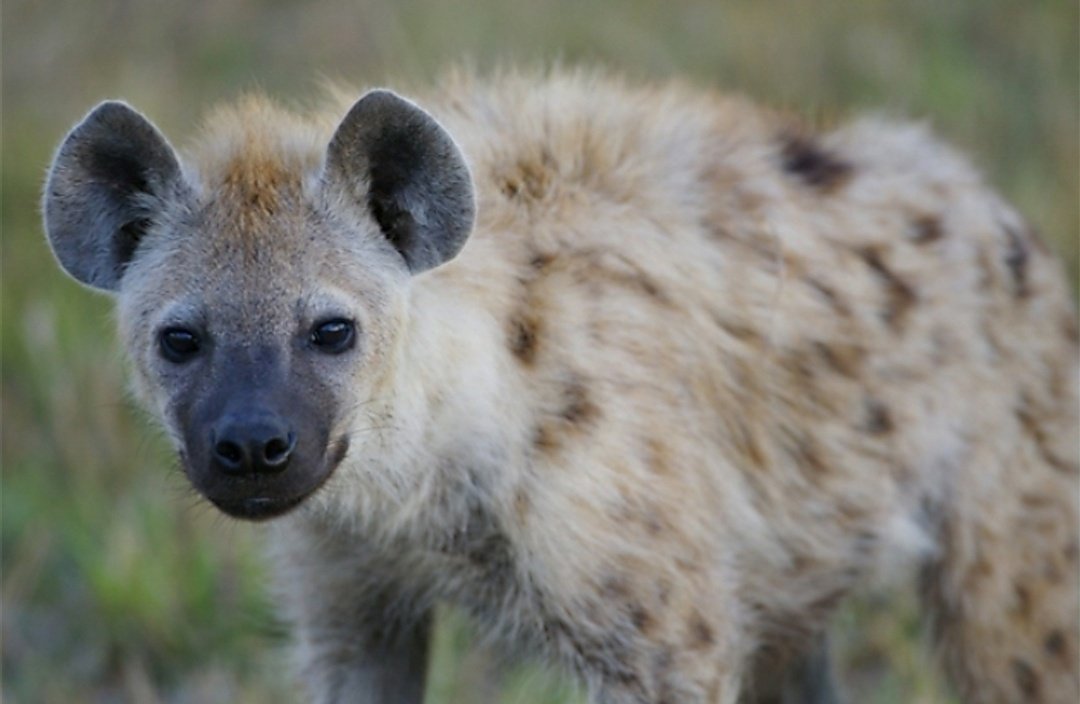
[(117, 584)]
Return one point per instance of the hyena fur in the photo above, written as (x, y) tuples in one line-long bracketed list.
[(646, 380)]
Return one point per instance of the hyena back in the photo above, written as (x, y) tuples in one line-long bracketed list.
[(696, 375)]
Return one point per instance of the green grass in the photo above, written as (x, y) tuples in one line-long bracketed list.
[(117, 583)]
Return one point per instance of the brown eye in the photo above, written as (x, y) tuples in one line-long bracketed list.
[(178, 345), (333, 336)]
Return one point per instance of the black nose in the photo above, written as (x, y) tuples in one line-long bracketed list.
[(260, 445)]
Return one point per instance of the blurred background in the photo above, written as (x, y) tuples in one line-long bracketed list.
[(118, 585)]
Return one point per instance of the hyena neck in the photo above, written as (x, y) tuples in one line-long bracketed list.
[(449, 444)]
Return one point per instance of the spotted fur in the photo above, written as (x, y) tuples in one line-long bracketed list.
[(694, 378)]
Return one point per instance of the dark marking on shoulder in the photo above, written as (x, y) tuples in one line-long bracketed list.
[(1055, 643), (747, 441), (1027, 680), (1025, 413), (663, 591), (829, 295), (541, 260), (659, 457), (524, 337), (653, 524), (575, 412), (926, 229), (615, 587), (808, 161), (579, 408), (1016, 259), (843, 358), (1023, 600), (701, 633), (900, 296), (737, 330), (1070, 329), (1072, 552), (641, 618), (807, 455), (546, 439), (878, 417)]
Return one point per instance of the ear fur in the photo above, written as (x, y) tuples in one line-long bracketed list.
[(109, 177), (395, 160)]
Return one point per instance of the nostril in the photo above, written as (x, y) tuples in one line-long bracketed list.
[(277, 450), (229, 454)]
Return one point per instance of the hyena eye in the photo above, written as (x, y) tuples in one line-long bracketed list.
[(178, 344), (333, 336)]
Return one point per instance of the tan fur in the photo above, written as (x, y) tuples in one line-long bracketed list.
[(697, 375)]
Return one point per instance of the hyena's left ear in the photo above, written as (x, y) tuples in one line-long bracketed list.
[(110, 177), (395, 160)]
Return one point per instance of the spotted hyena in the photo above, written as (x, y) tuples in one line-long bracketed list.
[(646, 380)]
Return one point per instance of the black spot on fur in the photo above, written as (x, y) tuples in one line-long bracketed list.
[(640, 617), (545, 439), (842, 358), (830, 296), (1055, 643), (541, 261), (1070, 330), (807, 456), (701, 634), (1029, 421), (524, 333), (900, 296), (579, 408), (1027, 680), (1016, 259), (807, 160), (878, 418), (1023, 600), (927, 229)]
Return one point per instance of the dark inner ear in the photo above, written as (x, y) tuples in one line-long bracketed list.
[(128, 238), (394, 159), (111, 177), (126, 179)]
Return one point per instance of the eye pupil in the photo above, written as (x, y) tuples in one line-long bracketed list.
[(179, 344), (333, 336)]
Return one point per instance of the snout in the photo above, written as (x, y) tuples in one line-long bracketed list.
[(254, 462), (254, 445)]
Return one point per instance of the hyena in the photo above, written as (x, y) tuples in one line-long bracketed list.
[(646, 380)]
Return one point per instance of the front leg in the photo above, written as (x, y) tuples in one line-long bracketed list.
[(360, 635), (357, 654)]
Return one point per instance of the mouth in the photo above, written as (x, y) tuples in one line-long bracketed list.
[(259, 508)]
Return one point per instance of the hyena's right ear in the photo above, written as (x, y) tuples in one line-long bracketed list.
[(110, 176), (393, 159)]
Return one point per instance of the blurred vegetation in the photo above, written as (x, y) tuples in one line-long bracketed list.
[(117, 583)]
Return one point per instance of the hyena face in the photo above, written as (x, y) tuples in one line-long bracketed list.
[(261, 300)]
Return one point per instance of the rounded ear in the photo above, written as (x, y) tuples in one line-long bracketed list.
[(108, 180), (393, 159)]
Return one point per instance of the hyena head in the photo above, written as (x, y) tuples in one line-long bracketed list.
[(262, 295)]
